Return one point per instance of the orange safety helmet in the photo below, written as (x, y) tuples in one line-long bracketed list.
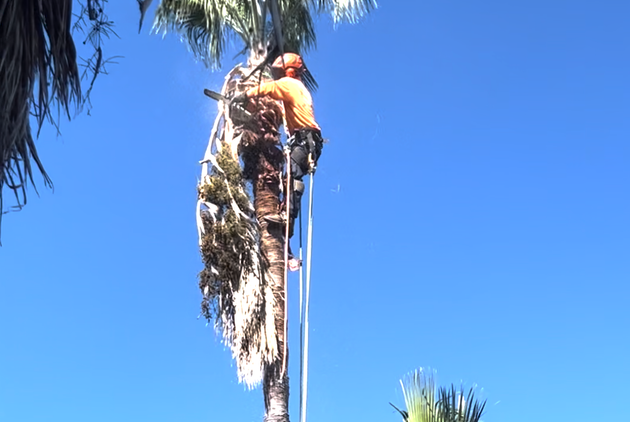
[(290, 64)]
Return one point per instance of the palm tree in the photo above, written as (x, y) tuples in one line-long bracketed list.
[(426, 403), (243, 279), (39, 72)]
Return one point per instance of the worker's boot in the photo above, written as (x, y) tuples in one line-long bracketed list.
[(278, 218), (294, 263), (295, 200)]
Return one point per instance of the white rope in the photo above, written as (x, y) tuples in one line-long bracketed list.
[(309, 244), (301, 320), (287, 196)]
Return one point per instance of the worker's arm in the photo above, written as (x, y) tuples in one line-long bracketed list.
[(273, 89)]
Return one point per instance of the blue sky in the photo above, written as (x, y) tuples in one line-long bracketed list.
[(471, 216)]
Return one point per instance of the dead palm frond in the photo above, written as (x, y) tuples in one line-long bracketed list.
[(236, 283)]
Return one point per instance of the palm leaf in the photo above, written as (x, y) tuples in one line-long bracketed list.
[(457, 407), (202, 24), (39, 74), (425, 403), (343, 10), (297, 26), (38, 69), (403, 413), (419, 393), (207, 25)]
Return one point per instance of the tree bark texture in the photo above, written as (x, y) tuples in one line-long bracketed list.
[(266, 194), (263, 161)]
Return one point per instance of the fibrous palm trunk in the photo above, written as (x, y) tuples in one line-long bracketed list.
[(243, 282), (266, 194)]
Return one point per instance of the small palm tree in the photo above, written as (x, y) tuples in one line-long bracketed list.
[(426, 403), (243, 279)]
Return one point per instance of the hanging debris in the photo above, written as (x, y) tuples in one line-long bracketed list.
[(235, 283)]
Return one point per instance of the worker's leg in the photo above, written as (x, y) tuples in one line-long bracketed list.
[(314, 144), (299, 167), (311, 144)]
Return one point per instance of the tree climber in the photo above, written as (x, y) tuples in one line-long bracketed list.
[(300, 120)]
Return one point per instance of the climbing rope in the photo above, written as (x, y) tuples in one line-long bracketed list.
[(309, 243), (305, 286), (287, 225), (301, 318)]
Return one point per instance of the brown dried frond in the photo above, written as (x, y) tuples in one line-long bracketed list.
[(239, 291)]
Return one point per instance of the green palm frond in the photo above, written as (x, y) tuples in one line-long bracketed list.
[(297, 26), (203, 24), (403, 413), (343, 10), (419, 393), (457, 407), (207, 25), (425, 403)]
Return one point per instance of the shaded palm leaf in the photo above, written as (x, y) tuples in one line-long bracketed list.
[(144, 6), (403, 413), (454, 406), (39, 74), (38, 70), (297, 26)]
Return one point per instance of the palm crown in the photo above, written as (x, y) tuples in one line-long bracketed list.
[(426, 403), (207, 25)]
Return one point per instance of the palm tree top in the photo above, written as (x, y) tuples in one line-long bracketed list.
[(207, 25), (427, 403)]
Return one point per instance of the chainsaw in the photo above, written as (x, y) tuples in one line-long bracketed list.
[(219, 97)]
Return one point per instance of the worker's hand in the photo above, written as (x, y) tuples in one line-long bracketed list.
[(240, 98)]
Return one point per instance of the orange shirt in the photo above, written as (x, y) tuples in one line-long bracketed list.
[(298, 103)]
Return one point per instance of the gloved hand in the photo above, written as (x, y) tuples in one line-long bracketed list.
[(240, 98)]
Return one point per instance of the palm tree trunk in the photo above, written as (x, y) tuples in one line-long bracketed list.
[(266, 201), (266, 163), (266, 179)]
